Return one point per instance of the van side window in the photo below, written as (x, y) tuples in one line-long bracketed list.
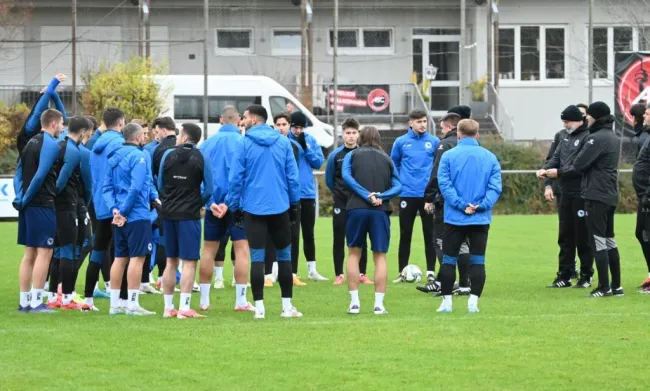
[(191, 107), (280, 104)]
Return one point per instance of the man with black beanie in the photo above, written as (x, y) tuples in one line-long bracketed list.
[(641, 182), (597, 161), (572, 229)]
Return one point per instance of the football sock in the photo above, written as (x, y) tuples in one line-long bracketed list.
[(354, 298), (205, 294), (186, 299)]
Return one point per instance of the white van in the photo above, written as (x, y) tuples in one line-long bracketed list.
[(185, 100)]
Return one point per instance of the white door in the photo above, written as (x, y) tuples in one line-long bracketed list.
[(442, 53)]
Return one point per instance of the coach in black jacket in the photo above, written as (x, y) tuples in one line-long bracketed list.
[(641, 182), (597, 161), (573, 231)]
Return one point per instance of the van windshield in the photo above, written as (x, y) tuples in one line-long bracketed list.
[(191, 107)]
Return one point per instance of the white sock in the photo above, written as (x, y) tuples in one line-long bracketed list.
[(218, 272), (430, 274), (186, 300), (67, 298), (286, 304), (115, 298), (134, 298), (274, 270), (311, 267), (205, 294), (268, 276), (24, 299), (446, 301), (89, 301), (107, 286), (354, 297), (240, 292), (51, 297), (123, 303), (379, 299), (473, 301), (259, 306), (36, 297), (169, 302)]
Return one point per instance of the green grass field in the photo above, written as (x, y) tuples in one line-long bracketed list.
[(527, 337)]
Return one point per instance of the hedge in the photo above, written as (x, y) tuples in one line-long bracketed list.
[(522, 193)]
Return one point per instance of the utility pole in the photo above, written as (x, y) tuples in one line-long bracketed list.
[(303, 50), (335, 71), (147, 31), (310, 56), (495, 33), (490, 76), (206, 28), (461, 50), (74, 57), (140, 28), (591, 51)]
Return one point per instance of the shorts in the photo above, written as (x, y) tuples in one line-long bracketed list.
[(183, 239), (67, 228), (133, 239), (37, 227), (368, 222), (217, 230)]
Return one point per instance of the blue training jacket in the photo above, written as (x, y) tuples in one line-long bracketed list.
[(469, 174), (263, 173), (106, 144), (311, 159), (86, 175), (219, 150), (126, 185), (413, 156), (151, 147), (93, 139), (34, 121)]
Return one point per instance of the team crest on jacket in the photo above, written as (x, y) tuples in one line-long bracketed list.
[(576, 143), (337, 210), (150, 246), (50, 241), (403, 204), (581, 213), (427, 145)]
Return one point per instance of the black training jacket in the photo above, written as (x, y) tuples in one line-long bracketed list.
[(565, 153), (373, 169), (641, 171), (183, 171), (597, 161), (555, 184), (166, 143), (640, 137), (432, 192)]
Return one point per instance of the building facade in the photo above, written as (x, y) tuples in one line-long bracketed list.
[(540, 55)]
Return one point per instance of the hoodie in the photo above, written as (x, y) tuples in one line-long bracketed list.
[(263, 173), (125, 185), (219, 150), (312, 159), (107, 143), (413, 156)]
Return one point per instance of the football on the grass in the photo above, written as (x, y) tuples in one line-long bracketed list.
[(412, 273)]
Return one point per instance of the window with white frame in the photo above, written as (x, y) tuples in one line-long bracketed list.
[(532, 53), (286, 42), (363, 41), (234, 41), (609, 40)]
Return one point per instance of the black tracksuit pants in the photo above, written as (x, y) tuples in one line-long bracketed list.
[(600, 227), (409, 209), (339, 221), (573, 235), (642, 231)]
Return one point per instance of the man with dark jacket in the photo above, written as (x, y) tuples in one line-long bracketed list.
[(641, 134), (469, 178), (597, 161), (641, 182), (573, 231), (166, 130), (434, 203)]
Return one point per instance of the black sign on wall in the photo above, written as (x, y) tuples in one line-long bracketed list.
[(362, 99), (631, 86)]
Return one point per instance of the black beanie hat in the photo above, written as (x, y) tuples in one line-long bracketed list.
[(598, 110), (464, 111), (298, 119), (572, 113)]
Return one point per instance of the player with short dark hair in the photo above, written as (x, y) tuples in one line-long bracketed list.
[(183, 172), (68, 184), (263, 194), (373, 180), (413, 157), (35, 189), (312, 159), (340, 196), (109, 141), (126, 191), (469, 179), (166, 129)]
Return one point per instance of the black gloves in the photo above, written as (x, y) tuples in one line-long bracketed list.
[(302, 141), (238, 219), (293, 214)]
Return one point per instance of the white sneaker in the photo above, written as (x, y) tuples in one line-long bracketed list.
[(218, 284), (258, 315), (196, 287), (444, 308), (380, 311), (354, 309), (139, 312), (398, 279), (148, 289), (472, 309), (116, 310), (291, 313), (315, 276)]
